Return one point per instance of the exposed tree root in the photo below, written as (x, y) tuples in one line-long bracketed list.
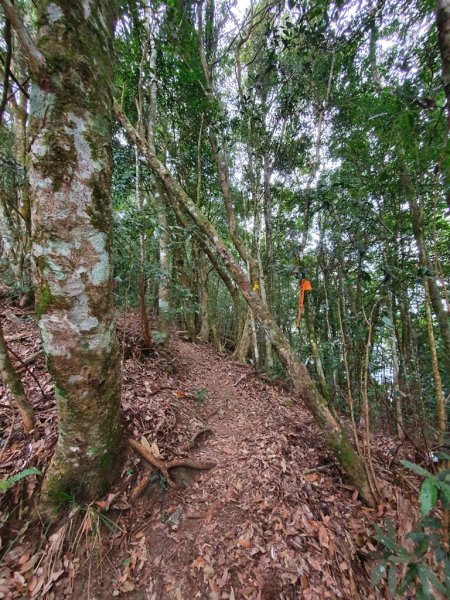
[(164, 467), (193, 441)]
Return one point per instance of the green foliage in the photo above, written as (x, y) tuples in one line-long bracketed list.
[(6, 484), (200, 395), (161, 480), (417, 565), (434, 487)]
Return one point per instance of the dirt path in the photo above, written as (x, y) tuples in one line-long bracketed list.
[(260, 525), (252, 527)]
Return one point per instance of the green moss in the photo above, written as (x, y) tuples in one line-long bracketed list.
[(60, 160), (61, 393), (96, 211), (46, 300), (43, 301)]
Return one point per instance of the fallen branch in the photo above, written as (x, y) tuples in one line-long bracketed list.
[(32, 358), (17, 336), (321, 468), (164, 467), (244, 377), (23, 365), (161, 389)]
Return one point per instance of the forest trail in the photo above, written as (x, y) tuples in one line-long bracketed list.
[(262, 524), (255, 526)]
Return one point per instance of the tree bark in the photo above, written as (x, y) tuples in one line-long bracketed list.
[(439, 393), (164, 265), (70, 184)]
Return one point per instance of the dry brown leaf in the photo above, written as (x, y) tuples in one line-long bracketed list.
[(244, 543), (155, 450), (145, 444)]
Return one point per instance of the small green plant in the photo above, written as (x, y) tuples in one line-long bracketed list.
[(158, 337), (157, 477), (200, 396), (5, 484), (418, 566)]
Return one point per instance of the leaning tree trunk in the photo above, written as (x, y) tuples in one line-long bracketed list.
[(334, 434), (70, 184), (13, 382)]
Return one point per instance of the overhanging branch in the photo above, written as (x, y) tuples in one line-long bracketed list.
[(36, 60)]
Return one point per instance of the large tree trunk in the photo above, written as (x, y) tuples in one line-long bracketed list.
[(335, 436), (70, 183)]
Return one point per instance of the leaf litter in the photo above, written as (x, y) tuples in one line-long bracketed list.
[(274, 519)]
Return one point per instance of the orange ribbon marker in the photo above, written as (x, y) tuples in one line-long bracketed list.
[(305, 286)]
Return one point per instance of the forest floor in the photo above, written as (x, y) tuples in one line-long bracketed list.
[(274, 519)]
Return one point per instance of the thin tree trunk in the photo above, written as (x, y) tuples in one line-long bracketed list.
[(142, 278), (204, 298), (243, 344), (417, 220), (164, 324), (13, 382), (440, 399), (396, 374), (321, 381)]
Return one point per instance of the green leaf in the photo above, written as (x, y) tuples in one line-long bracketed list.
[(387, 539), (428, 495), (388, 322), (5, 484), (416, 468), (431, 522), (392, 580), (423, 578), (25, 473), (378, 573), (445, 489), (410, 576), (435, 581)]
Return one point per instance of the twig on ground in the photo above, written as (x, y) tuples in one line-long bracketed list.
[(32, 358), (249, 374), (17, 336), (321, 468), (5, 445)]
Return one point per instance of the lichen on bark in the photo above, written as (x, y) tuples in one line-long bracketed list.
[(70, 181)]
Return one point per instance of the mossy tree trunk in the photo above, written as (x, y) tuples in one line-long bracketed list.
[(70, 186), (13, 382)]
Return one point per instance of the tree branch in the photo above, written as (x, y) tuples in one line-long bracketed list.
[(36, 60)]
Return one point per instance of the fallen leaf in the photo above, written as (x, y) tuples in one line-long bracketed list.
[(145, 444)]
